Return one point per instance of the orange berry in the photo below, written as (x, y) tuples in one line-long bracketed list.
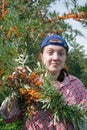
[(42, 34), (60, 17)]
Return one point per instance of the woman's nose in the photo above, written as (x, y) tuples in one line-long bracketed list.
[(55, 56)]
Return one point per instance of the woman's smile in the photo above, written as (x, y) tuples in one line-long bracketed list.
[(54, 64)]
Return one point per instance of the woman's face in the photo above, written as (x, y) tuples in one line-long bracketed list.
[(53, 57)]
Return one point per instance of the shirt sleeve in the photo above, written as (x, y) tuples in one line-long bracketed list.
[(81, 93), (74, 92), (10, 110)]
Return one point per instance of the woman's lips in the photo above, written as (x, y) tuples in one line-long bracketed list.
[(55, 64)]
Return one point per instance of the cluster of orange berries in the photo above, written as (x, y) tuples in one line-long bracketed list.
[(76, 16), (13, 29), (27, 86), (3, 8)]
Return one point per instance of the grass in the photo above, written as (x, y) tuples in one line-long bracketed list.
[(11, 126)]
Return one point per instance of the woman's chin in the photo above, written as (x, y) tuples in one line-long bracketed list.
[(54, 72)]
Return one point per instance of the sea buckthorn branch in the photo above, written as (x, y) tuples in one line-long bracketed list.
[(3, 6), (76, 16), (36, 92), (41, 16), (28, 87), (52, 100)]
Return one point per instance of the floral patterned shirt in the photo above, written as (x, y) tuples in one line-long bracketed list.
[(74, 93)]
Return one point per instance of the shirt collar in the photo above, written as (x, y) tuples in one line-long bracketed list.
[(67, 80)]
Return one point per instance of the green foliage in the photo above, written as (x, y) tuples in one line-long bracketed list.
[(8, 54), (76, 61), (73, 6), (52, 100), (84, 9), (84, 78), (13, 126)]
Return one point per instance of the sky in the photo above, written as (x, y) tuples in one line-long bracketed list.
[(60, 8)]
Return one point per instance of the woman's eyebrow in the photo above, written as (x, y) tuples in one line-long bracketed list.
[(61, 50), (50, 49)]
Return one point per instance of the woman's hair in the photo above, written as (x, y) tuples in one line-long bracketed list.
[(61, 77)]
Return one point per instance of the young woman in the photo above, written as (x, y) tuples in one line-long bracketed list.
[(54, 50)]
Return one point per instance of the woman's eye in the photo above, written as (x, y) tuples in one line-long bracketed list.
[(61, 53), (50, 52)]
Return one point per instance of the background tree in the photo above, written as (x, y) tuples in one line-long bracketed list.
[(84, 9), (77, 64), (77, 58)]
